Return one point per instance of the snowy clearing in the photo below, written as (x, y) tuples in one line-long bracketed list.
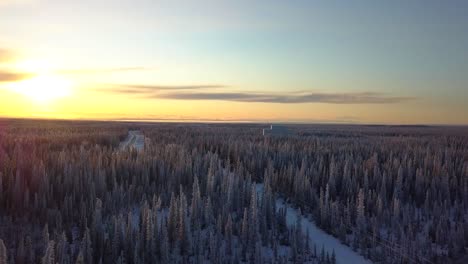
[(134, 140), (344, 255)]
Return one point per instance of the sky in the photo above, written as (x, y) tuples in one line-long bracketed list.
[(390, 62)]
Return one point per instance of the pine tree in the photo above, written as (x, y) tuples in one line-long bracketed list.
[(228, 235), (360, 209), (253, 219), (333, 257), (49, 257), (245, 232), (45, 237), (3, 253), (172, 220), (322, 255), (196, 204), (30, 254), (86, 247), (20, 254)]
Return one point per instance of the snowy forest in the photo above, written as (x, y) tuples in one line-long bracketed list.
[(72, 192)]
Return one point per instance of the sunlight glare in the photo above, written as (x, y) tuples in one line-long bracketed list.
[(44, 88)]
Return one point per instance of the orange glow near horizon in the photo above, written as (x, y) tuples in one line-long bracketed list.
[(49, 91)]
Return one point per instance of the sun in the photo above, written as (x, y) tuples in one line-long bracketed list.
[(44, 88)]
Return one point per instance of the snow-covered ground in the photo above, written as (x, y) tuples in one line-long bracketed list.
[(344, 255), (134, 140)]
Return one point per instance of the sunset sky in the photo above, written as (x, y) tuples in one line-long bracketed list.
[(403, 62)]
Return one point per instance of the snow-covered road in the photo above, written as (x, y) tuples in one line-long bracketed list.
[(135, 139), (344, 255)]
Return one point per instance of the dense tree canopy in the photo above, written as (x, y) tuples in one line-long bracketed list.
[(68, 194)]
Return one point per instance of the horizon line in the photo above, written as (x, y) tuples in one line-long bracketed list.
[(216, 121)]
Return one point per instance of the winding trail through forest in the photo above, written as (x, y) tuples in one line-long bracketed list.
[(135, 139), (344, 255)]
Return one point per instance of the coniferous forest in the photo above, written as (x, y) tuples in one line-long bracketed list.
[(71, 192)]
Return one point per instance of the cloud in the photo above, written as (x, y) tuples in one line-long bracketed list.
[(8, 76), (177, 87), (216, 92), (100, 71), (152, 90), (331, 98)]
